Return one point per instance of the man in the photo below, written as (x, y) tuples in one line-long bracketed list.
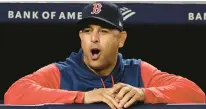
[(98, 73)]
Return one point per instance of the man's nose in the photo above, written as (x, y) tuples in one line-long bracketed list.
[(95, 37)]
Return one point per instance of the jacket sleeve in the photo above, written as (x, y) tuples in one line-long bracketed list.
[(162, 87), (42, 86)]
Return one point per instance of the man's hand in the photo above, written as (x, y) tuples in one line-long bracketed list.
[(126, 95), (101, 95)]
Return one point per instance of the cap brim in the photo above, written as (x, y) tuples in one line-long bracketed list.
[(98, 21)]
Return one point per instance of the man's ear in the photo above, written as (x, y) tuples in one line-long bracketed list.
[(80, 34), (123, 37)]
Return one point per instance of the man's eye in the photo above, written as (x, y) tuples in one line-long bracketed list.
[(104, 31), (87, 30)]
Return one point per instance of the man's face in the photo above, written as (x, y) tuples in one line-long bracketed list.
[(100, 45)]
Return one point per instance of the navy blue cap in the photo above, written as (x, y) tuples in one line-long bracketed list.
[(102, 13)]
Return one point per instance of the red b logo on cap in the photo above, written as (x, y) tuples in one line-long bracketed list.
[(96, 8)]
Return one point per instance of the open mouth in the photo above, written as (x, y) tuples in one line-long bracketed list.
[(95, 53)]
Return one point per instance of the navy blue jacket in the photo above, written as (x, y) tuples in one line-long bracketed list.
[(76, 76)]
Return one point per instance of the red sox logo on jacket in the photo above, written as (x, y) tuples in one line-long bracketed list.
[(96, 8)]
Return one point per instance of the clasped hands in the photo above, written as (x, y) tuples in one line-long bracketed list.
[(119, 96)]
